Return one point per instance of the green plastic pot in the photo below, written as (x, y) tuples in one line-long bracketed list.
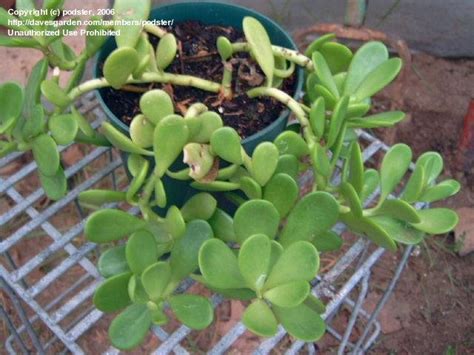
[(209, 13)]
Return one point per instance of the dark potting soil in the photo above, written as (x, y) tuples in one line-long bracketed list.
[(197, 56)]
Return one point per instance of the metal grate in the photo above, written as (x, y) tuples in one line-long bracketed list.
[(48, 273)]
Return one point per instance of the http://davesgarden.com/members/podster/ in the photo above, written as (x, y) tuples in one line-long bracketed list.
[(64, 27)]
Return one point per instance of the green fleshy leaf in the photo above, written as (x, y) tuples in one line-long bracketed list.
[(441, 191), (400, 210), (219, 265), (35, 124), (378, 78), (225, 143), (398, 230), (200, 206), (11, 102), (45, 152), (352, 199), (315, 304), (276, 252), (264, 162), (436, 220), (250, 187), (136, 291), (113, 262), (166, 51), (155, 278), (108, 225), (433, 165), (371, 182), (54, 186), (215, 186), (357, 110), (243, 294), (256, 217), (260, 45), (130, 327), (203, 126), (318, 43), (63, 128), (288, 164), (185, 253), (93, 41), (55, 94), (356, 168), (338, 56), (415, 184), (141, 251), (298, 262), (312, 215), (301, 322), (259, 319), (323, 72), (137, 182), (135, 164), (224, 47), (339, 79), (121, 141), (82, 123), (317, 117), (327, 241), (170, 136), (223, 226), (175, 223), (112, 294), (194, 311), (33, 87), (141, 131), (288, 295), (144, 55), (160, 194), (155, 105), (159, 317), (7, 41), (228, 172), (289, 142), (321, 160), (100, 197), (282, 191), (329, 98), (365, 60), (129, 10), (337, 120), (370, 229), (394, 166), (254, 260), (119, 66), (383, 119)]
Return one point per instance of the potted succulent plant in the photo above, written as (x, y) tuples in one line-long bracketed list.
[(196, 57), (268, 251)]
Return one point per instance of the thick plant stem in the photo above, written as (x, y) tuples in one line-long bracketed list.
[(150, 77), (155, 30), (292, 104), (289, 54), (143, 202), (227, 80)]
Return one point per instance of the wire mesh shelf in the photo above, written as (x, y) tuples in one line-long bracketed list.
[(48, 273)]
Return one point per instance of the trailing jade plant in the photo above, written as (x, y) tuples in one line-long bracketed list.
[(267, 252)]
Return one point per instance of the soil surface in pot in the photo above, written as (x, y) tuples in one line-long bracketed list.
[(197, 56)]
